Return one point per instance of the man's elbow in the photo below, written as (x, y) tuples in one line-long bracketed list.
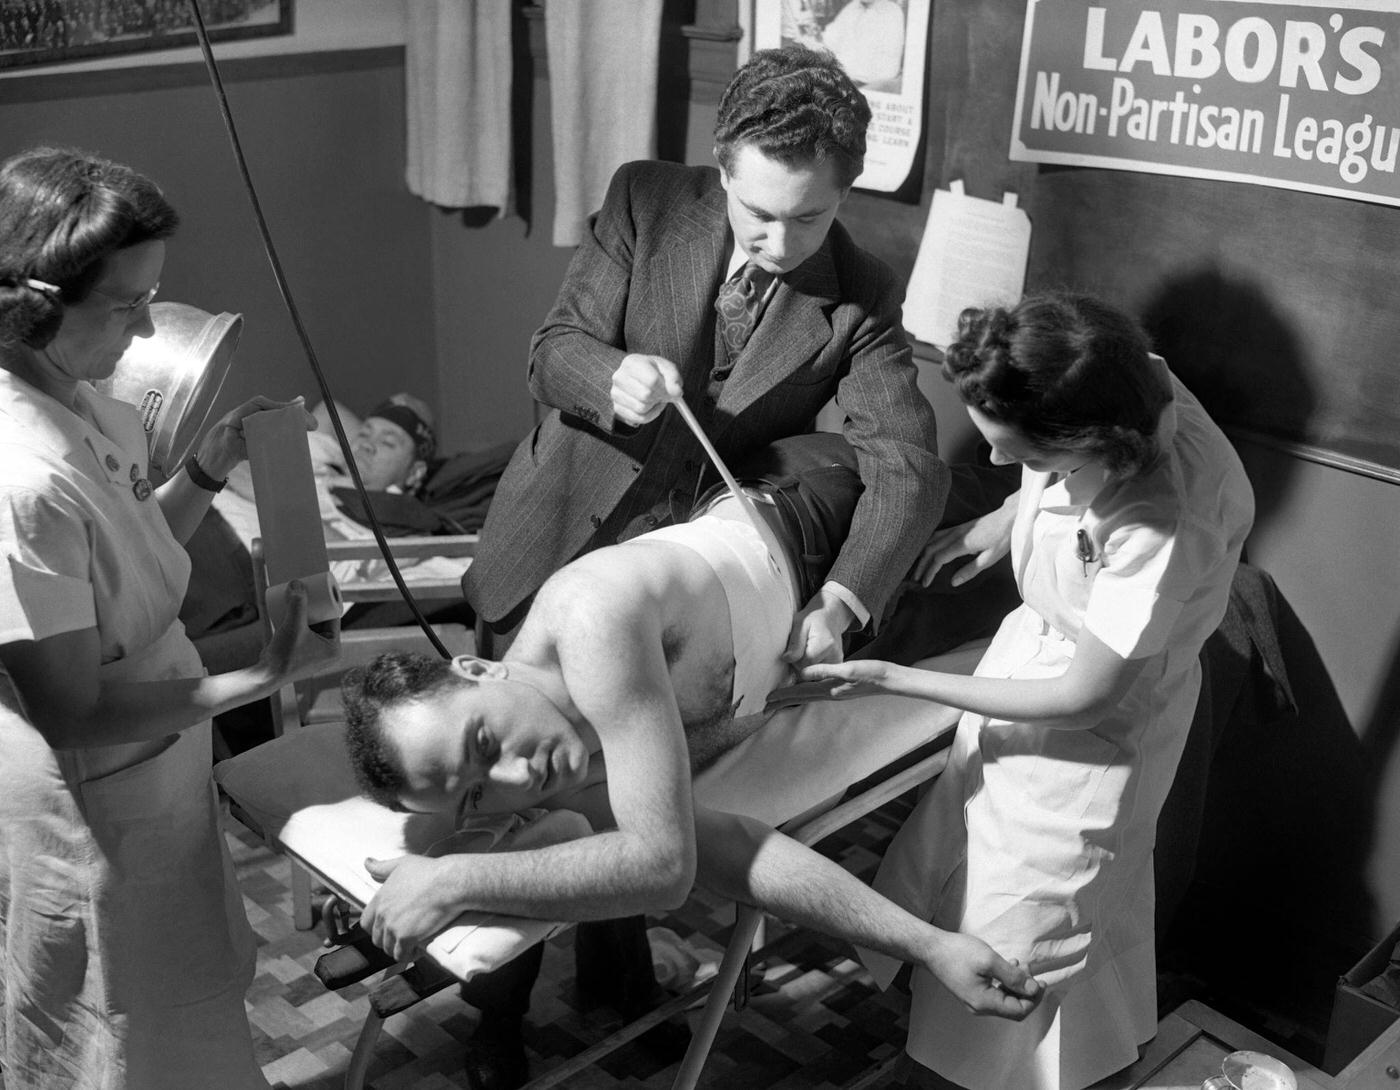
[(672, 879)]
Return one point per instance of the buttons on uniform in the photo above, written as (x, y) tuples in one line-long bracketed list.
[(142, 489), (719, 374), (112, 463), (597, 522), (135, 472)]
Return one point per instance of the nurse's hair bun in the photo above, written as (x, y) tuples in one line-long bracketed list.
[(28, 306), (979, 361)]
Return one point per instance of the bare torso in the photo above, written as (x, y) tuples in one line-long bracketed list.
[(654, 589)]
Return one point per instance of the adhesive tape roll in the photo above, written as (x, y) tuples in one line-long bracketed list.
[(323, 599)]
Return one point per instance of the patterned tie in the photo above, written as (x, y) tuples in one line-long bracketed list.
[(739, 303)]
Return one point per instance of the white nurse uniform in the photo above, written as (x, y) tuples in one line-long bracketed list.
[(148, 882), (1039, 840)]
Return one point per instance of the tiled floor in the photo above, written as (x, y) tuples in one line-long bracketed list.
[(816, 1022)]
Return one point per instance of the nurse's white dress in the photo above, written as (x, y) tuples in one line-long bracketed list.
[(1039, 841), (129, 923)]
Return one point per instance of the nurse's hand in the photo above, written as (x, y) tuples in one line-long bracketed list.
[(842, 680), (410, 908), (224, 447), (984, 980), (642, 386), (986, 540), (297, 650)]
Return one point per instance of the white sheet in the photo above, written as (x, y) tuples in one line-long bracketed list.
[(300, 790)]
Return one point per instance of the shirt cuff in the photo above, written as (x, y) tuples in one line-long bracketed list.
[(848, 596)]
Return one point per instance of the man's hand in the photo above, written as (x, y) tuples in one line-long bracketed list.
[(410, 908), (986, 540), (984, 980), (817, 631), (642, 386)]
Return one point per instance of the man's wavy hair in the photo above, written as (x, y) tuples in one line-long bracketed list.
[(1067, 371), (796, 105), (63, 212), (393, 678)]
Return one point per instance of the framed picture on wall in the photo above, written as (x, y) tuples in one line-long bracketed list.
[(55, 31)]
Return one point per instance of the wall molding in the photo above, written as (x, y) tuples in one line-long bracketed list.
[(1320, 455), (95, 83)]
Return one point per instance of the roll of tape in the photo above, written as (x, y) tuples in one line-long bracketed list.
[(323, 599)]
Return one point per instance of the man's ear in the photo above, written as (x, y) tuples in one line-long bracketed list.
[(414, 477), (478, 669)]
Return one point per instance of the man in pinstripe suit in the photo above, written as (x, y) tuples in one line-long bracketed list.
[(646, 315), (635, 326)]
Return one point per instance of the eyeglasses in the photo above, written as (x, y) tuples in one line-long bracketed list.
[(130, 306)]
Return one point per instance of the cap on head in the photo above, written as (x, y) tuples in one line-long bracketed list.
[(411, 419)]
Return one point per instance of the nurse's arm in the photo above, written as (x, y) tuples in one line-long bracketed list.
[(73, 707), (1093, 685)]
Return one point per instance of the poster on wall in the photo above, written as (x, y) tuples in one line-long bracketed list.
[(1299, 94), (882, 46), (56, 31)]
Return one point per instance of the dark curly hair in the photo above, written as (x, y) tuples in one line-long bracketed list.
[(1068, 371), (796, 105), (391, 679), (63, 212)]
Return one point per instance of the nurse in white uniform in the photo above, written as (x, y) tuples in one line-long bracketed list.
[(126, 949), (1038, 839)]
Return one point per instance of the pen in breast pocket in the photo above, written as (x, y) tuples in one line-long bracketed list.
[(1084, 549)]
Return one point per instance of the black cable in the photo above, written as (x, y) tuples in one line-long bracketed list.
[(290, 304)]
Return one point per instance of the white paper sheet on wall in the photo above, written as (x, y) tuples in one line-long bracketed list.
[(973, 254)]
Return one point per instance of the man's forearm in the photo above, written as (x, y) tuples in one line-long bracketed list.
[(596, 877)]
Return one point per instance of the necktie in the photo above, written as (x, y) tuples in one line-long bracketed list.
[(739, 303)]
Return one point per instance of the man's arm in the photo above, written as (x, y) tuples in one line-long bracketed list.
[(612, 661), (574, 354), (890, 425), (753, 864)]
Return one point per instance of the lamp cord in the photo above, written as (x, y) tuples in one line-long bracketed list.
[(290, 304)]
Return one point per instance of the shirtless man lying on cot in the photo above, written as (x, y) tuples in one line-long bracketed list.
[(654, 654)]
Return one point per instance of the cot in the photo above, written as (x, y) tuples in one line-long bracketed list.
[(810, 770)]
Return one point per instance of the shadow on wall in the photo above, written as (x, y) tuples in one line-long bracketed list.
[(1381, 734), (1229, 344), (1278, 906)]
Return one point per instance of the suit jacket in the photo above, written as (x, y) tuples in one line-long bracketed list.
[(644, 280)]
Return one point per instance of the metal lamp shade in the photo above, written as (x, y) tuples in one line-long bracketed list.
[(174, 377)]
